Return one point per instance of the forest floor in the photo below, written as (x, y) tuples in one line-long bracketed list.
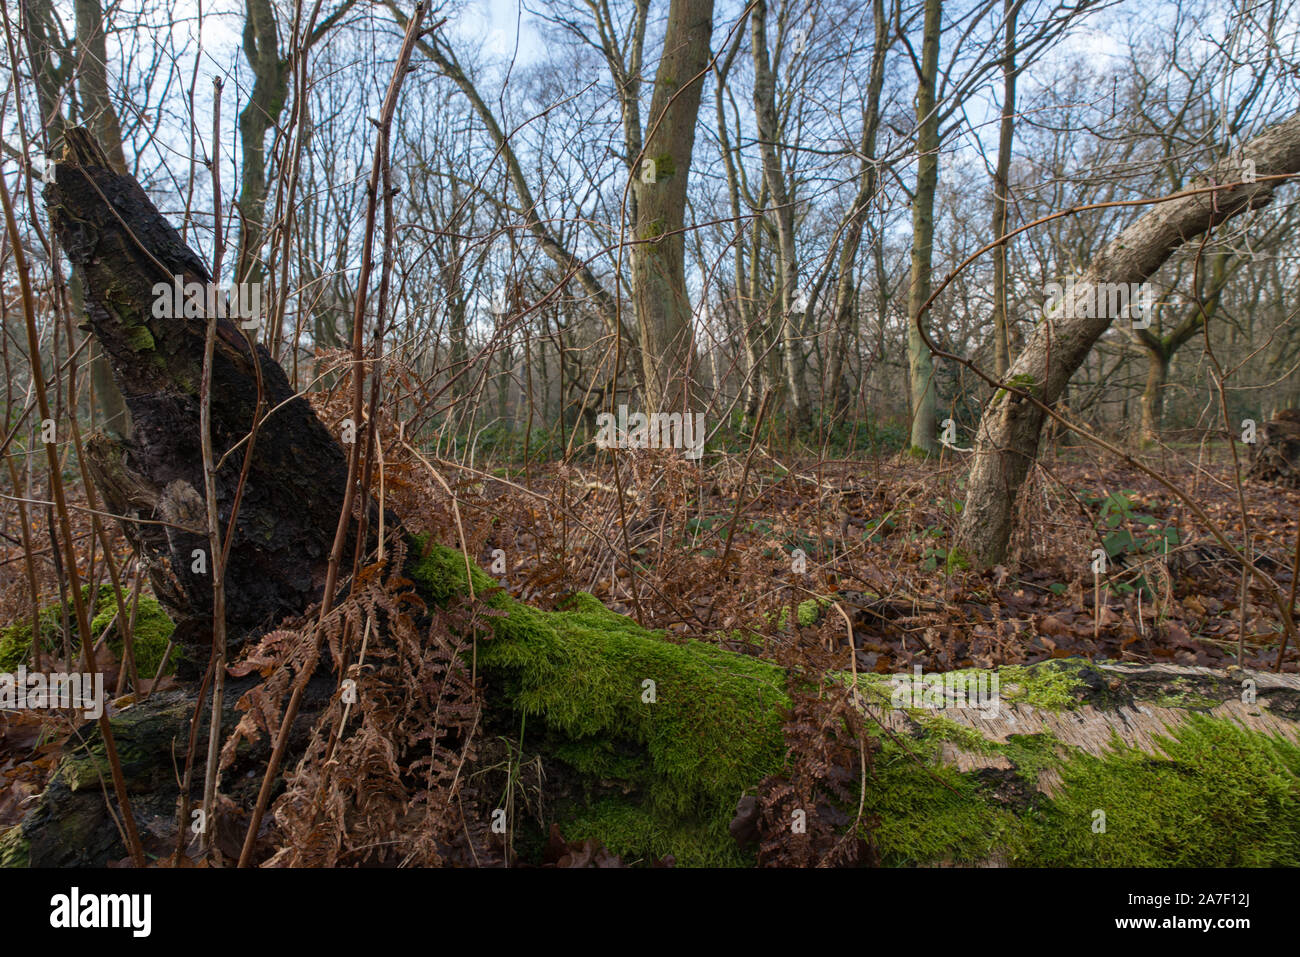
[(725, 553), (876, 536)]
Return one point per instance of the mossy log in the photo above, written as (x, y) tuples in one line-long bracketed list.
[(647, 744), (1097, 764), (153, 629), (1187, 766)]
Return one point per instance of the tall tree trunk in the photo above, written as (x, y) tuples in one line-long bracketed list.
[(101, 118), (760, 338), (750, 339), (92, 82), (1153, 394), (919, 361), (843, 332), (769, 138), (50, 64), (1001, 336), (259, 115), (663, 305), (1006, 442), (843, 321), (1159, 348), (503, 382)]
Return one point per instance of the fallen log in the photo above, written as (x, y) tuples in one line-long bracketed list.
[(1276, 457), (1082, 764), (651, 746)]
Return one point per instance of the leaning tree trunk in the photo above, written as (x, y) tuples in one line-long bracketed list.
[(130, 258), (1006, 443)]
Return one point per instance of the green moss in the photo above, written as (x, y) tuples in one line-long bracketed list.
[(945, 729), (14, 848), (876, 689), (135, 333), (929, 812), (957, 559), (691, 726), (152, 630), (1032, 754), (1024, 382), (601, 758), (14, 643), (808, 613), (1189, 701), (139, 338), (641, 837), (1049, 685), (1220, 796), (1216, 795), (1179, 692)]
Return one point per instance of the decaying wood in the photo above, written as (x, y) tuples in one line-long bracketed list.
[(1277, 451), (1121, 704), (1129, 711), (123, 248)]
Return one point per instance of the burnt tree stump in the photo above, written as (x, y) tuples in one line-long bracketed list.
[(124, 248)]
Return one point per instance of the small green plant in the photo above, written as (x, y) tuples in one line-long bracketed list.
[(951, 558), (1024, 382), (1131, 534), (878, 528)]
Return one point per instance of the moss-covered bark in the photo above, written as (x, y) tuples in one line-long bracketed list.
[(152, 630), (665, 737), (1185, 773), (1097, 765), (647, 743)]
